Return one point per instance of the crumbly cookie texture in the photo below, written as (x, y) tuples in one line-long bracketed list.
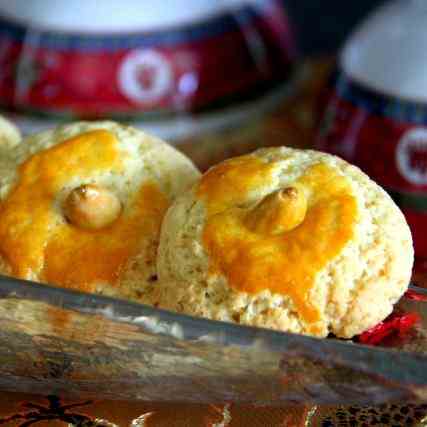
[(10, 137), (82, 206), (337, 265), (9, 134)]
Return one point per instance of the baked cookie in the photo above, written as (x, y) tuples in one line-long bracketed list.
[(294, 240), (9, 134), (82, 205), (9, 138)]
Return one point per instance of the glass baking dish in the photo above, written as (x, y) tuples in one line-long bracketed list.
[(54, 341)]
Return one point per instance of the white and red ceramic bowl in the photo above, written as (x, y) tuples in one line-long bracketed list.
[(375, 109), (139, 60)]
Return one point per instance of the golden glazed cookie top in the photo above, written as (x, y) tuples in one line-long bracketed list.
[(85, 202), (296, 240), (284, 240)]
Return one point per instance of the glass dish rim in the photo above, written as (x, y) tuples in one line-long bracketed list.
[(127, 311), (395, 366)]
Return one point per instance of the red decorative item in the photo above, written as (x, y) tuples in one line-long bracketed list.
[(396, 324), (413, 295), (357, 123)]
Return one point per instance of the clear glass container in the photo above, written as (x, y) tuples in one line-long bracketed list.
[(77, 345)]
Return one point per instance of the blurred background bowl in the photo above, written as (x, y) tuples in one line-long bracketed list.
[(159, 65), (374, 112)]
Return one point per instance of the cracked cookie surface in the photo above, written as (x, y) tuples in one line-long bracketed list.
[(294, 240), (82, 206)]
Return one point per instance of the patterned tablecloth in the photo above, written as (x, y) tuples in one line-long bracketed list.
[(291, 124), (27, 410)]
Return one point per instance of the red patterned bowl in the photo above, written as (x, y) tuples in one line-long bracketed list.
[(78, 60), (375, 109)]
